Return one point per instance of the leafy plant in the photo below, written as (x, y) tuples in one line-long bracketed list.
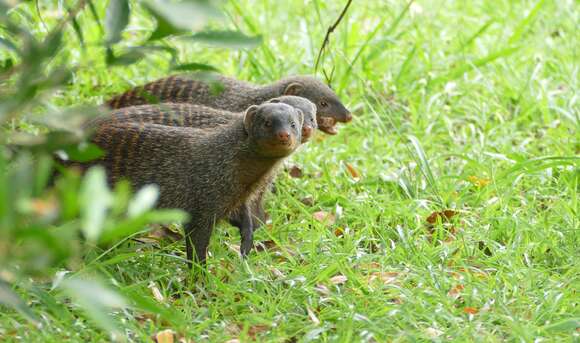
[(53, 224)]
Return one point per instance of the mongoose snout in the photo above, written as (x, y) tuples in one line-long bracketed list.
[(306, 132), (307, 107)]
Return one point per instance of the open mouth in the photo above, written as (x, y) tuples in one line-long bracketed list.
[(327, 125)]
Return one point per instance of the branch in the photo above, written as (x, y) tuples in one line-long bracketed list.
[(329, 31)]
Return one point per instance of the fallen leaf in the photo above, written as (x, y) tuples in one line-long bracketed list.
[(156, 292), (278, 273), (312, 316), (470, 310), (44, 207), (254, 330), (338, 279), (384, 277), (163, 233), (295, 172), (308, 200), (165, 336), (234, 247), (265, 245), (455, 292), (322, 289), (339, 232), (443, 216), (433, 333), (235, 340), (324, 217), (478, 182), (352, 171)]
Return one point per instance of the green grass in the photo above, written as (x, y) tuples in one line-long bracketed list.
[(464, 105)]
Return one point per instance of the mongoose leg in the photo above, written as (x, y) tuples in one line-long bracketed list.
[(259, 215), (246, 229), (197, 236)]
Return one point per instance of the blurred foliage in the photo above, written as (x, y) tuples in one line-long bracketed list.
[(47, 223)]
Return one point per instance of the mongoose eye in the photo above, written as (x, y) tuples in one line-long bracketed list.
[(268, 123), (323, 103), (293, 125)]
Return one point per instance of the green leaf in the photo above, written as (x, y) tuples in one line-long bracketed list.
[(83, 152), (131, 226), (144, 303), (8, 44), (96, 199), (195, 67), (127, 58), (227, 39), (176, 17), (95, 15), (10, 299), (143, 201), (95, 299), (78, 31), (116, 19), (567, 325)]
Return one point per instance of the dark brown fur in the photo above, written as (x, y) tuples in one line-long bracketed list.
[(202, 117), (208, 173), (238, 95)]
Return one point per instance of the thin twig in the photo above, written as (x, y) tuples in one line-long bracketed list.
[(40, 16), (329, 31)]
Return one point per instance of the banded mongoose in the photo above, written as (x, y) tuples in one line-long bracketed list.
[(200, 116), (238, 95), (207, 173), (204, 117)]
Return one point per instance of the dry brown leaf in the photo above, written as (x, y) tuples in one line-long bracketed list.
[(352, 171), (234, 247), (433, 333), (443, 216), (478, 181), (44, 207), (277, 273), (338, 279), (312, 316), (265, 245), (295, 172), (384, 277), (308, 200), (324, 217), (339, 232), (455, 292), (254, 330), (322, 289), (470, 310), (165, 336), (156, 292)]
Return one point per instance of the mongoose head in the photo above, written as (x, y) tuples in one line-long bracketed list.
[(307, 107), (329, 108), (274, 129)]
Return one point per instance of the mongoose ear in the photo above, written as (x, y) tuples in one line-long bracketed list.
[(300, 116), (294, 88), (249, 117), (274, 101)]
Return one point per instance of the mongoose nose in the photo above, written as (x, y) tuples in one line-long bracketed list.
[(348, 117), (283, 136), (306, 131)]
